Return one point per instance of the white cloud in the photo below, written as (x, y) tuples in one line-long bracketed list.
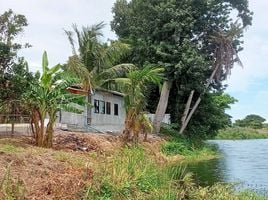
[(254, 55), (47, 19)]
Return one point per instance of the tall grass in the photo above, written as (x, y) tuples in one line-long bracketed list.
[(192, 149), (132, 174)]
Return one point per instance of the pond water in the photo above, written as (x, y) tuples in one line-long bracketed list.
[(243, 161)]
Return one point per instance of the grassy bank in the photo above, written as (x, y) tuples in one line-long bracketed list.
[(239, 133), (108, 170), (134, 173), (190, 150)]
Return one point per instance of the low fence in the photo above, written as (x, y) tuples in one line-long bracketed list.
[(22, 129)]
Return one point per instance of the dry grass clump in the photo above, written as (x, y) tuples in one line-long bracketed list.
[(43, 173)]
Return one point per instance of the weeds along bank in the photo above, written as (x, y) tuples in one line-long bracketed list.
[(136, 173), (104, 169)]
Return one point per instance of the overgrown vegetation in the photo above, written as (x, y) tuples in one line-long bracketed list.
[(193, 149), (195, 41), (133, 173)]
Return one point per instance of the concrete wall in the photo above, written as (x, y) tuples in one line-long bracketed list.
[(74, 120), (166, 118), (108, 122)]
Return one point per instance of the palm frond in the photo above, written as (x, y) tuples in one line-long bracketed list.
[(116, 71), (115, 51), (74, 66), (225, 53), (71, 40)]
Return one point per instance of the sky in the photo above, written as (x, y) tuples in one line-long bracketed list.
[(48, 19)]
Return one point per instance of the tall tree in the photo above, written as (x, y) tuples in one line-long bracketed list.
[(178, 36), (252, 120), (224, 56), (14, 74)]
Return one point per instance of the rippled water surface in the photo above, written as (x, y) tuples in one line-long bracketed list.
[(244, 161)]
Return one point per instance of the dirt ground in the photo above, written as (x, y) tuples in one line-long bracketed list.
[(58, 173)]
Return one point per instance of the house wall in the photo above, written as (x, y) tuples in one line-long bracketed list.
[(74, 120), (104, 121)]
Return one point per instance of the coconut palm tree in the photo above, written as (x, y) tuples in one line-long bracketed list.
[(134, 87), (225, 56), (96, 63), (46, 98)]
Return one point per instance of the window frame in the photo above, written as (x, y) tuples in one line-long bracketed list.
[(96, 106), (108, 108), (102, 107), (116, 109)]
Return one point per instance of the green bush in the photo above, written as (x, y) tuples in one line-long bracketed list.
[(173, 148)]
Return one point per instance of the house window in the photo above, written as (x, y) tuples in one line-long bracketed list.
[(102, 107), (96, 106), (115, 109), (108, 108)]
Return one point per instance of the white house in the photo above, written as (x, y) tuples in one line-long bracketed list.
[(106, 113)]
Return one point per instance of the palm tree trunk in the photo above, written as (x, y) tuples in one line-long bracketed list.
[(162, 106), (187, 119), (184, 125), (128, 126), (187, 107)]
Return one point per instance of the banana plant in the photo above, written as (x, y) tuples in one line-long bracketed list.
[(46, 98)]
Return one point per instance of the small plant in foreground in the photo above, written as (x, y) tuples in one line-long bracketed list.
[(11, 189)]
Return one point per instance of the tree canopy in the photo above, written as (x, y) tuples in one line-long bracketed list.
[(96, 62), (15, 76), (183, 37), (252, 120)]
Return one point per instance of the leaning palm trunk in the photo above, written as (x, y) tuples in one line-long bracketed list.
[(161, 107), (188, 115), (225, 57)]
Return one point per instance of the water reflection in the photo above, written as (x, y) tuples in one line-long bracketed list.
[(244, 161), (207, 173)]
